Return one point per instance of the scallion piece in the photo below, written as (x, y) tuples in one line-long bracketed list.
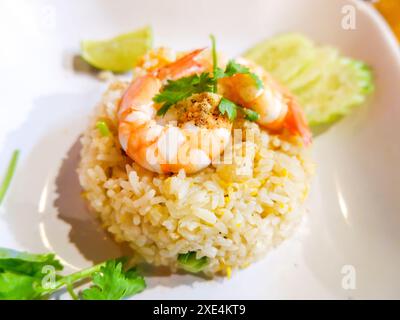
[(249, 114), (190, 263), (9, 174), (103, 128)]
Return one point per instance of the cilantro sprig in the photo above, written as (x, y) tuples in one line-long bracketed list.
[(23, 276), (20, 273), (231, 110), (180, 89), (177, 90), (233, 68), (111, 282)]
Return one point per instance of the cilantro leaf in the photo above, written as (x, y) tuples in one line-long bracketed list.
[(218, 74), (21, 273), (233, 68), (189, 262), (21, 276), (205, 83), (27, 263), (165, 107), (15, 286), (249, 114), (228, 107), (180, 89), (111, 282)]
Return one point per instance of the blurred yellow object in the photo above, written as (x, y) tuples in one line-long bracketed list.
[(390, 9)]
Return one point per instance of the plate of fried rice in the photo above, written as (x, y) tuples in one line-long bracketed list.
[(248, 151)]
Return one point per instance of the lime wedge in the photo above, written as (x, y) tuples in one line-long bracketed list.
[(327, 85), (118, 54)]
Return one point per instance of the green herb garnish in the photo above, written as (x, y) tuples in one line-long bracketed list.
[(112, 283), (27, 276), (9, 174), (249, 114), (103, 128), (183, 88), (21, 273), (190, 263), (216, 70), (229, 108), (233, 68), (27, 263), (180, 89)]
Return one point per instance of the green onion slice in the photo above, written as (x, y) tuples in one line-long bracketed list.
[(9, 174), (103, 128)]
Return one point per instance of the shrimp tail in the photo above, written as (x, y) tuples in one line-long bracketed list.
[(295, 121), (182, 67)]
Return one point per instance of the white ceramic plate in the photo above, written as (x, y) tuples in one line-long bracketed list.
[(353, 225)]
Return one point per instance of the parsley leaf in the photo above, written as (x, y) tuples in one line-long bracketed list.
[(111, 282), (233, 68), (189, 262), (228, 107), (180, 89)]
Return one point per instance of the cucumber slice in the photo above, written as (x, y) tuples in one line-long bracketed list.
[(285, 55), (327, 85)]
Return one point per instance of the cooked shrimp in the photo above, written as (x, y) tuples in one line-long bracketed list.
[(276, 106), (191, 143)]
